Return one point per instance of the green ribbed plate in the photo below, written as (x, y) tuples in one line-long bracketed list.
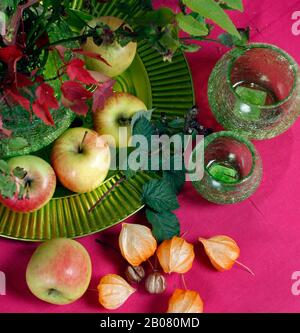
[(167, 87)]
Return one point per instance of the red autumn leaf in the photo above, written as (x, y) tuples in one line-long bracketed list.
[(76, 71), (80, 108), (74, 91), (91, 55), (45, 96), (2, 129), (10, 55), (42, 112), (104, 91), (23, 81), (18, 98), (42, 41), (76, 96)]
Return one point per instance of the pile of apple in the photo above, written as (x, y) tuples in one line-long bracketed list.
[(80, 158), (59, 271)]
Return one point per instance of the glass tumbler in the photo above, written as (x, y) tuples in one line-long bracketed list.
[(255, 90), (232, 168)]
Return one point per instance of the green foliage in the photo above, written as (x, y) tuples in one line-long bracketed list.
[(159, 195), (191, 25), (165, 225), (230, 40), (9, 179), (212, 10)]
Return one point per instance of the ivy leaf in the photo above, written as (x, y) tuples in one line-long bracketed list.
[(191, 26), (233, 4), (212, 10), (230, 41), (159, 195), (165, 224), (143, 127), (76, 71), (102, 93)]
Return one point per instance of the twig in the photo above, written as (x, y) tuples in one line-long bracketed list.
[(98, 202), (16, 20), (109, 246), (246, 268)]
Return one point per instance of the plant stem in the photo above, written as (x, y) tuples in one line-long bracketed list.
[(65, 40), (16, 20), (246, 268), (183, 281), (117, 183), (202, 39)]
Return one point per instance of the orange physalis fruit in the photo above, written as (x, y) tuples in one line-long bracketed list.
[(175, 255), (137, 243), (222, 251), (185, 301), (113, 291)]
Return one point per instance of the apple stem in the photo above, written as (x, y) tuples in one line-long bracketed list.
[(82, 142), (117, 183), (245, 267)]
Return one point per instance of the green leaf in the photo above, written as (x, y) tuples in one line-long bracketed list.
[(17, 143), (143, 127), (19, 172), (190, 47), (191, 26), (176, 178), (165, 224), (77, 19), (252, 96), (7, 186), (4, 167), (177, 123), (233, 4), (159, 195), (231, 41), (139, 114), (160, 17), (211, 10)]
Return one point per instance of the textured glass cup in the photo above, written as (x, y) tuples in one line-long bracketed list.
[(255, 90), (232, 168)]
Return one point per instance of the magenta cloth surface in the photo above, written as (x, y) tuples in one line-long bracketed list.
[(267, 227)]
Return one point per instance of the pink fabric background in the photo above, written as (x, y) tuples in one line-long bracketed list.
[(267, 227)]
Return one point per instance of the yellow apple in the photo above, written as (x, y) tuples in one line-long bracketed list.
[(119, 58), (81, 159), (117, 112)]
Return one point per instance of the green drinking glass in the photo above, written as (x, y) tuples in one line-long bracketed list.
[(232, 168), (255, 90)]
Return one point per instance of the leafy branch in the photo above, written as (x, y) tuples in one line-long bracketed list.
[(12, 181)]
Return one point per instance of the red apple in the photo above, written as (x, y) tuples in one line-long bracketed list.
[(40, 183), (59, 271), (81, 159)]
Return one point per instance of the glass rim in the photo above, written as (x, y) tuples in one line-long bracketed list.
[(283, 53), (237, 137)]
